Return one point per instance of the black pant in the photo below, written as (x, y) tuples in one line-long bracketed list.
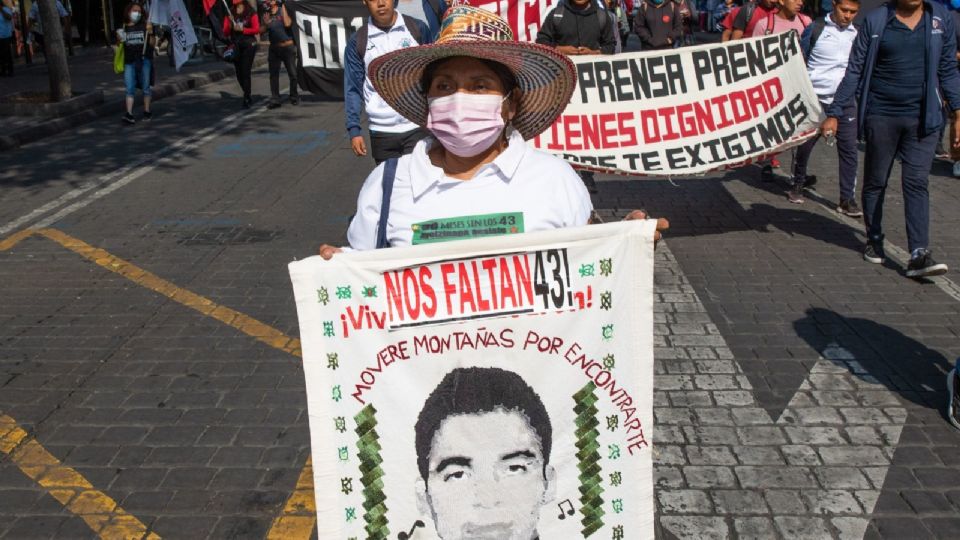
[(384, 146), (6, 56), (846, 150), (246, 51), (888, 137), (287, 55)]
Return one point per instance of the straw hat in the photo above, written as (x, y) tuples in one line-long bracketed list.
[(546, 77)]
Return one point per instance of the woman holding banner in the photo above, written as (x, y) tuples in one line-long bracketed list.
[(242, 26), (481, 94)]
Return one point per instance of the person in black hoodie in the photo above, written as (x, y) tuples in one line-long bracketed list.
[(577, 27), (659, 24)]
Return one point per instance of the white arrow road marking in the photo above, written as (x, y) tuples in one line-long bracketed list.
[(725, 467)]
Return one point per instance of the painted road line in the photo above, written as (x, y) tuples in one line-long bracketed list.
[(97, 509), (248, 325), (126, 174), (299, 515), (14, 239)]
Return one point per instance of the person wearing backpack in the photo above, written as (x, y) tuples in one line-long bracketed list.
[(750, 15), (658, 24), (578, 27), (387, 30), (428, 11), (726, 13), (826, 46), (787, 18)]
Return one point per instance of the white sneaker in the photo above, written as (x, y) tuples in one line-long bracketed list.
[(956, 169)]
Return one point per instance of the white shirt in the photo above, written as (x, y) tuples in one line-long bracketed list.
[(382, 117), (541, 187), (828, 59)]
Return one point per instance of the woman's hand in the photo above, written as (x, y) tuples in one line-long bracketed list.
[(662, 223), (327, 251)]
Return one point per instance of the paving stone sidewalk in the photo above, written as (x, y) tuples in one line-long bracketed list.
[(725, 467)]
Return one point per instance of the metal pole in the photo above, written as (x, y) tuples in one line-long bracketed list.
[(24, 33)]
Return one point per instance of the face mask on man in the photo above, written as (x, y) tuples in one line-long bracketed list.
[(466, 124), (134, 17)]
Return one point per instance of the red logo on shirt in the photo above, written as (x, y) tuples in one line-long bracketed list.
[(666, 18)]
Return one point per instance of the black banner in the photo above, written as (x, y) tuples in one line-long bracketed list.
[(322, 30)]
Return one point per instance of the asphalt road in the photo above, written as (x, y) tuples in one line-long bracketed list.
[(150, 383)]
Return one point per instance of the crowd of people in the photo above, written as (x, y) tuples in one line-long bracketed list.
[(448, 120), (895, 116), (12, 34)]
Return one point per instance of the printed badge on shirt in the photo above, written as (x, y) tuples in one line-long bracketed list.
[(464, 227)]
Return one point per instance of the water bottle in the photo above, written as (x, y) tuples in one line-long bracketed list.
[(830, 139)]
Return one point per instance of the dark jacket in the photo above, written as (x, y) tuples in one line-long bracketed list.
[(589, 27), (654, 32), (940, 59)]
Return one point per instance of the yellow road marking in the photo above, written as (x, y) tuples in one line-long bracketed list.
[(15, 239), (96, 508), (300, 513), (248, 325)]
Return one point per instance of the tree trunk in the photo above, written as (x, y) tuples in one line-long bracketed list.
[(54, 51)]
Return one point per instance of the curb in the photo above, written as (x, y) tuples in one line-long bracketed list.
[(20, 137)]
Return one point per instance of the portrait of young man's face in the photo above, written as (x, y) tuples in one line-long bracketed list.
[(486, 477)]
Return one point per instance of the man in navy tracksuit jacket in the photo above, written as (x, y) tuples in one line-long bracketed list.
[(902, 64)]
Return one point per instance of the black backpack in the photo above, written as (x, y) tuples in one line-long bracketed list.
[(818, 26), (603, 17), (413, 26)]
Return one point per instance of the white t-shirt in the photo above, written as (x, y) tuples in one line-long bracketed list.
[(522, 190)]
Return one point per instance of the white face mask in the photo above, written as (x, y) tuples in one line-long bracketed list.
[(134, 17)]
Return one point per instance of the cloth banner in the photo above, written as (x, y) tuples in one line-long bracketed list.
[(322, 30), (324, 26), (687, 111), (172, 13), (487, 388)]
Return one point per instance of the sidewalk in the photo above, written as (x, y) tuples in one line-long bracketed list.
[(91, 69)]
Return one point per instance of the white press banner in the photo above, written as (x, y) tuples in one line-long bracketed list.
[(686, 111), (491, 388)]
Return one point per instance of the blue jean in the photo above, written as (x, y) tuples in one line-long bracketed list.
[(130, 76), (888, 137)]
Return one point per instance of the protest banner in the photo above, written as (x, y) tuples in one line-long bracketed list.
[(687, 111), (494, 387), (172, 13), (324, 26)]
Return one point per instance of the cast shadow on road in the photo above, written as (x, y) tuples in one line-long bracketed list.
[(704, 206), (88, 152), (904, 365)]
